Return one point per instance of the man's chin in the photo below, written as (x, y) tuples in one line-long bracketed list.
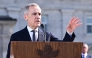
[(38, 25)]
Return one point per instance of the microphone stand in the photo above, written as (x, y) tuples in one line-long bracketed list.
[(43, 27), (45, 33)]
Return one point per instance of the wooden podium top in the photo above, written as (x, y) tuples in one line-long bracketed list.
[(29, 49)]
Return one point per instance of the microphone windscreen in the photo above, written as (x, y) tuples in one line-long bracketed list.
[(42, 25)]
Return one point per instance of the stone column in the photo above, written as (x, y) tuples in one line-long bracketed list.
[(80, 34), (14, 13), (67, 14), (55, 23), (5, 32), (1, 41)]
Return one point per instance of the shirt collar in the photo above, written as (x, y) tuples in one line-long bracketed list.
[(84, 54), (30, 29)]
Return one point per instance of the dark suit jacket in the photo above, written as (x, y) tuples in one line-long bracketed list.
[(23, 35), (88, 56)]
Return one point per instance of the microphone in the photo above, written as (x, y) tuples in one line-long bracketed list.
[(43, 28)]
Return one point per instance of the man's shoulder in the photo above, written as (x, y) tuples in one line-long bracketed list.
[(20, 31), (89, 56)]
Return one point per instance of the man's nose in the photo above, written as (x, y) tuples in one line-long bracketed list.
[(38, 16)]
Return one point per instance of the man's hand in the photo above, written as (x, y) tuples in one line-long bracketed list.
[(73, 24)]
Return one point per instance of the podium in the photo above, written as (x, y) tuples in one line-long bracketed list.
[(27, 49)]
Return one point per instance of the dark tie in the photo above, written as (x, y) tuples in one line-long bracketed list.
[(33, 35)]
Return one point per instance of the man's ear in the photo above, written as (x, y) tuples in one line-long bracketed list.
[(25, 16)]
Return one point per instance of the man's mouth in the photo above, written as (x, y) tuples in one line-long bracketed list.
[(38, 21)]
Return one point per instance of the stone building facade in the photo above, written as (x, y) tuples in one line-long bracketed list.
[(56, 14)]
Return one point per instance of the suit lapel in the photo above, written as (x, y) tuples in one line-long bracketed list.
[(88, 56), (40, 35), (26, 34)]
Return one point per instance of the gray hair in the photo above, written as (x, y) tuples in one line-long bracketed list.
[(85, 45), (28, 5)]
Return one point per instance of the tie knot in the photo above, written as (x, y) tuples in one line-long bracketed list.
[(33, 31)]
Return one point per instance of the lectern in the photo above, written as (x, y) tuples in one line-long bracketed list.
[(27, 49)]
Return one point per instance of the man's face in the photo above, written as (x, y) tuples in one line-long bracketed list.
[(84, 49), (33, 16)]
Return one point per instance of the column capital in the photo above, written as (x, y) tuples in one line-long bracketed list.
[(13, 9), (13, 12)]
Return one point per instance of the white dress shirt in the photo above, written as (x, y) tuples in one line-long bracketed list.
[(85, 55), (31, 33), (69, 33)]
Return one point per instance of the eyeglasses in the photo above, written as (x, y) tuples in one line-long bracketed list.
[(37, 13)]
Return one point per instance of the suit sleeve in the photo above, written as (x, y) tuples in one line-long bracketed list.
[(69, 38), (9, 46)]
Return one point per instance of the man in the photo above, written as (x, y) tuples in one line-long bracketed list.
[(32, 15), (84, 51)]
